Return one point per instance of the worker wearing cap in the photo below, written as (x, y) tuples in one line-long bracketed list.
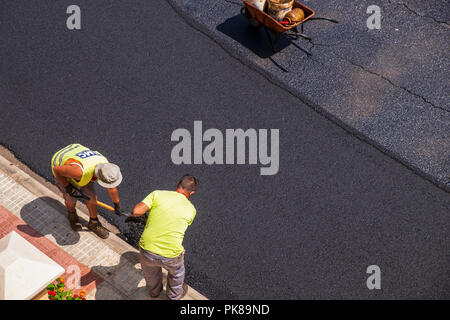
[(170, 213), (76, 166)]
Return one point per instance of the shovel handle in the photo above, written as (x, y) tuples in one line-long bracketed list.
[(104, 205), (101, 204)]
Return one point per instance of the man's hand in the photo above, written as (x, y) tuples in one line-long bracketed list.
[(70, 189), (133, 218), (118, 209), (139, 214)]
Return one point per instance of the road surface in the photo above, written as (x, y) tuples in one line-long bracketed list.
[(136, 72)]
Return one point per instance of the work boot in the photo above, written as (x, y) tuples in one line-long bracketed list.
[(74, 221), (156, 295), (95, 226)]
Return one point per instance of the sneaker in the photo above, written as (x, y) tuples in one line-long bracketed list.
[(74, 221), (98, 229)]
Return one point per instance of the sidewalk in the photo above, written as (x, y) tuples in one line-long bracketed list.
[(110, 269)]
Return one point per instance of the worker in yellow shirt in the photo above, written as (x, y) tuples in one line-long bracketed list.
[(77, 167), (170, 213)]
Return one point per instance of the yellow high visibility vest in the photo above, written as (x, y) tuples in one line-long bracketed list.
[(88, 158)]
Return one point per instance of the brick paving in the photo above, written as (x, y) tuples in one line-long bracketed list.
[(9, 222)]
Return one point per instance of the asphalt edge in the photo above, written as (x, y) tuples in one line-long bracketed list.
[(192, 22), (12, 170)]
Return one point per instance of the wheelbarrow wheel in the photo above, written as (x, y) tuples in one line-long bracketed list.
[(253, 22)]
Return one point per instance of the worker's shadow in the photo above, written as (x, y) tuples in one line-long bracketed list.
[(124, 280), (47, 216)]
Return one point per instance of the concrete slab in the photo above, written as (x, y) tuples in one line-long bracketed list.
[(24, 270)]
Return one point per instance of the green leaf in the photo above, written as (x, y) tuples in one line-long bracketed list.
[(51, 286)]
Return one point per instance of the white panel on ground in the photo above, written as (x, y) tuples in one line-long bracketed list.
[(24, 270)]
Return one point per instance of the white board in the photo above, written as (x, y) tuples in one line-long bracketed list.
[(24, 270)]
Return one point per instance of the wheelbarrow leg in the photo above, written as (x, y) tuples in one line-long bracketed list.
[(273, 42), (296, 35)]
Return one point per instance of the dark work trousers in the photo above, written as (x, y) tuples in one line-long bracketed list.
[(151, 266)]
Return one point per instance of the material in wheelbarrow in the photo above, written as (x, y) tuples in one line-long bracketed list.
[(260, 18)]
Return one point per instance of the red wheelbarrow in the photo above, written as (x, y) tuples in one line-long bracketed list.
[(258, 18)]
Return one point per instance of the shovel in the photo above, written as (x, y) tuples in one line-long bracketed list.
[(129, 216)]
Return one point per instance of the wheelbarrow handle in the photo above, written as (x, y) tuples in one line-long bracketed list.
[(323, 18), (298, 34)]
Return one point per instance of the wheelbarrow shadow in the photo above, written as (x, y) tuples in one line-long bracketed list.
[(255, 39)]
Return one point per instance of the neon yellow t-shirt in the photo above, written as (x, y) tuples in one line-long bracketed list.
[(169, 216)]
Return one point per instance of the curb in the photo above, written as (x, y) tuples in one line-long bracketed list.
[(10, 169)]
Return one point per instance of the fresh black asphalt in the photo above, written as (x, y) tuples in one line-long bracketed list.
[(136, 72), (389, 86)]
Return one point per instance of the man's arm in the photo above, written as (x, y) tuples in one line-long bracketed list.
[(138, 214), (140, 209), (113, 194), (67, 171)]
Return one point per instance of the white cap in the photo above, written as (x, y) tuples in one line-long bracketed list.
[(108, 174)]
